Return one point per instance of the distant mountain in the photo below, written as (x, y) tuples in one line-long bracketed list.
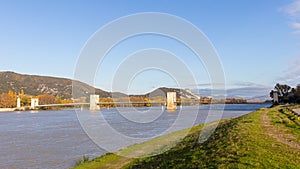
[(35, 85), (259, 98), (180, 93), (249, 93)]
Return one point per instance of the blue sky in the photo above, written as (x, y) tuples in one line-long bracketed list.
[(257, 40)]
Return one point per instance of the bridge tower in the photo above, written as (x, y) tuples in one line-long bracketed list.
[(94, 102), (34, 103), (18, 102), (275, 97), (171, 101)]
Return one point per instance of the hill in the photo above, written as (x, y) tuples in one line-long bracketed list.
[(267, 138), (35, 85), (162, 92)]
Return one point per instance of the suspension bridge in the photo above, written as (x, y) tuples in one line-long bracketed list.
[(95, 104)]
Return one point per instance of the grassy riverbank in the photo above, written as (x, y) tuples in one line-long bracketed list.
[(267, 138)]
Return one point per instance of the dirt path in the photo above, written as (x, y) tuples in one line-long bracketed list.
[(277, 132)]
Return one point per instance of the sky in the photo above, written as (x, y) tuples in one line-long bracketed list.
[(257, 41)]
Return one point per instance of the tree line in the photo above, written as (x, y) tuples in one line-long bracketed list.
[(9, 99), (286, 94)]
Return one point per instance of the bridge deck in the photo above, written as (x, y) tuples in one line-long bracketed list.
[(107, 103), (100, 103), (57, 105)]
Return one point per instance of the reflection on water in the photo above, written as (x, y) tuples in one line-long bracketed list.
[(55, 139)]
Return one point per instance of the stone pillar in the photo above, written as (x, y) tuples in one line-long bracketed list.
[(171, 101), (275, 97), (94, 102), (34, 103), (18, 102)]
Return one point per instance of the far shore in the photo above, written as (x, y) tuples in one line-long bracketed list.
[(25, 108), (7, 109), (10, 110)]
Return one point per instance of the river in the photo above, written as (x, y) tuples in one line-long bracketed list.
[(55, 139)]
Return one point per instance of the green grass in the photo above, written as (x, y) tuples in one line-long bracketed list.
[(287, 122), (267, 138)]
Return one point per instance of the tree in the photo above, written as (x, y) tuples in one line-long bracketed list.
[(8, 100), (25, 100), (292, 96), (298, 90), (286, 94), (22, 94), (58, 100), (147, 100), (136, 101), (46, 99), (12, 94), (272, 93), (66, 101), (109, 102), (283, 92), (298, 94)]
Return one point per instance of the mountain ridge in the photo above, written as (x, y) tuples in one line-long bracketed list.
[(63, 87)]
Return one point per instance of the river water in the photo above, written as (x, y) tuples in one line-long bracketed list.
[(55, 139)]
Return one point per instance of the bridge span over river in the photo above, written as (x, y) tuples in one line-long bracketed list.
[(94, 103)]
